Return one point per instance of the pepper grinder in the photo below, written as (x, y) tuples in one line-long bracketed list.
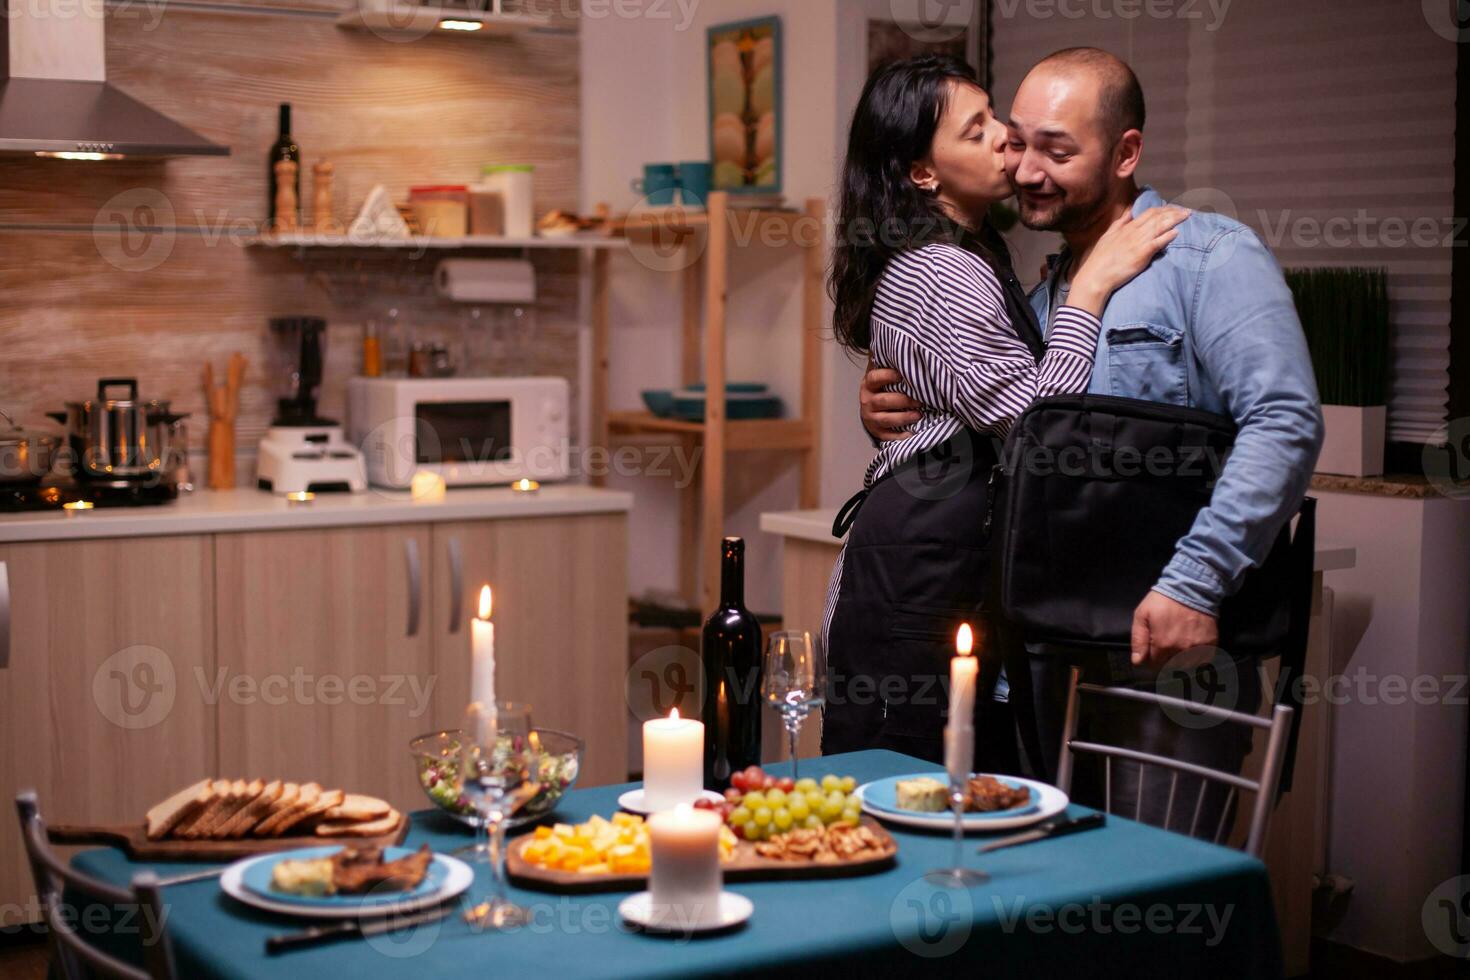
[(321, 210), (286, 196)]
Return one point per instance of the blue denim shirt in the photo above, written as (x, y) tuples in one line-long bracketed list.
[(1211, 324)]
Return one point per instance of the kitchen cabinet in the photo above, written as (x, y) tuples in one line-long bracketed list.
[(326, 666), (142, 659), (100, 703), (569, 666)]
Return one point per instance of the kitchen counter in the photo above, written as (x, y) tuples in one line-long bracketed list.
[(226, 511), (816, 526)]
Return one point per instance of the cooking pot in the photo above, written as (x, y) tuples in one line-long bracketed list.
[(25, 454), (117, 439)]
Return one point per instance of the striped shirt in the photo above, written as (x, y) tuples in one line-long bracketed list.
[(940, 320)]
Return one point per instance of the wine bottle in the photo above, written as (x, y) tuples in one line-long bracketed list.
[(732, 683), (284, 149)]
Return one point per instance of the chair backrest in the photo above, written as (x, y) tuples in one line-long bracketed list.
[(74, 955), (1263, 789)]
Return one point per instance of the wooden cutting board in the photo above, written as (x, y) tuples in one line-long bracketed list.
[(133, 840), (746, 865)]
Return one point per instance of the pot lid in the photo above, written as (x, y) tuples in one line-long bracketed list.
[(13, 435)]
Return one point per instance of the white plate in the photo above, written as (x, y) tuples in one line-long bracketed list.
[(459, 878), (640, 910), (632, 801), (1052, 802)]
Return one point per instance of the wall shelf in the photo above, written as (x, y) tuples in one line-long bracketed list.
[(702, 505), (312, 240)]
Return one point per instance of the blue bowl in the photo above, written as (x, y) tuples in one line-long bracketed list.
[(660, 402)]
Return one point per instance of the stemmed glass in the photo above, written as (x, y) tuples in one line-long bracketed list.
[(959, 755), (501, 755), (794, 680)]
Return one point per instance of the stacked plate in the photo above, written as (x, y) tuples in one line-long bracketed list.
[(743, 400)]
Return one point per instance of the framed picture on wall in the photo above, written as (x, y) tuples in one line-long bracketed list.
[(959, 28), (745, 110)]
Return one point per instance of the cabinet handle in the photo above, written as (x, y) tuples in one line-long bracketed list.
[(4, 616), (456, 585), (415, 584)]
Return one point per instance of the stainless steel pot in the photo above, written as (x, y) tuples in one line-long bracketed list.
[(117, 439), (25, 454)]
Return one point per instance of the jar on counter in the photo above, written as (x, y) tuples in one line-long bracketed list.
[(505, 201), (442, 210)]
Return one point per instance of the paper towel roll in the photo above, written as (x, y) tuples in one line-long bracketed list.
[(486, 280)]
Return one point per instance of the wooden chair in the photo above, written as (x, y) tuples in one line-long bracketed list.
[(73, 955), (1263, 789)]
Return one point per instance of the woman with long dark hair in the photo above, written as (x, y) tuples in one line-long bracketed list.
[(922, 283)]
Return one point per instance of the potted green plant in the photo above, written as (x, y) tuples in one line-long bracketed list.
[(1344, 312)]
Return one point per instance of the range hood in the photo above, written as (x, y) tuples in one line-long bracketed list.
[(54, 96)]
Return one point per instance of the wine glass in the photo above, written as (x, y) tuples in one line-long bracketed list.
[(959, 758), (794, 680), (500, 756)]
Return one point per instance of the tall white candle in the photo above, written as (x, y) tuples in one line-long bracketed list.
[(959, 735), (684, 881), (482, 649), (673, 761)]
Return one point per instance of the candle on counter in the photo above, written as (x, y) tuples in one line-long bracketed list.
[(525, 486), (482, 649), (427, 487), (301, 497), (959, 734), (77, 506), (685, 879), (673, 761)]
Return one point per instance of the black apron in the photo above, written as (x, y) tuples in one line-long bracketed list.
[(916, 566)]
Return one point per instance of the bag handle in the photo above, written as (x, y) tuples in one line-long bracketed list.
[(1302, 562)]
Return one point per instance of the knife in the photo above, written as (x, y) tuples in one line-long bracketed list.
[(1052, 828), (352, 928)]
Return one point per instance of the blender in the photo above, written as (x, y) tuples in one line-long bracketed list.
[(303, 452)]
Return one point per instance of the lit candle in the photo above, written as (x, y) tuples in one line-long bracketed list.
[(300, 497), (684, 881), (959, 735), (525, 486), (77, 507), (427, 487), (673, 761), (482, 649)]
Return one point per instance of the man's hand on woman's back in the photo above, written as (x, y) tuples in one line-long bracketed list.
[(886, 414)]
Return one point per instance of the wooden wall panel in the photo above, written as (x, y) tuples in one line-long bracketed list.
[(93, 284)]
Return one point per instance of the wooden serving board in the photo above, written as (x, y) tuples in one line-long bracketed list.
[(746, 865), (133, 839)]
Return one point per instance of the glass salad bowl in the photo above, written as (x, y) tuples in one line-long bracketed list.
[(438, 759)]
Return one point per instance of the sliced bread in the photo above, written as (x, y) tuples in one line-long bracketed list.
[(306, 796), (182, 806), (360, 828), (223, 794), (357, 807), (251, 813), (304, 820)]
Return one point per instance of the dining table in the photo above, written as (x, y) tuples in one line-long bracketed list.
[(1124, 900)]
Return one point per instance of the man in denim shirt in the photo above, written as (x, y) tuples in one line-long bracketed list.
[(1210, 324)]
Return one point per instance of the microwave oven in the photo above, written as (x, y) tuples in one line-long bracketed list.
[(471, 431)]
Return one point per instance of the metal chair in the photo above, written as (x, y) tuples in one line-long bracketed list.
[(1264, 789), (73, 955)]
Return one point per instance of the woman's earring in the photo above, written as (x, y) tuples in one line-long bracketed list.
[(932, 188)]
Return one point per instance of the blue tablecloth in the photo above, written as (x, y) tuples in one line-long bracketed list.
[(1126, 900)]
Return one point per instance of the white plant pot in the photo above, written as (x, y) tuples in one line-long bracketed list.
[(1355, 440)]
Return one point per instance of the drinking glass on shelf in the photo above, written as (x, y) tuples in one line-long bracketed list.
[(794, 680), (500, 756)]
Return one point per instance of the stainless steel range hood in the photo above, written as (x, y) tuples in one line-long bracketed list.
[(54, 96)]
